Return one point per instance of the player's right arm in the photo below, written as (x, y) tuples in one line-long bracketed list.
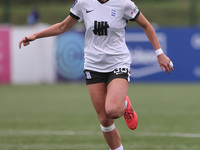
[(53, 30)]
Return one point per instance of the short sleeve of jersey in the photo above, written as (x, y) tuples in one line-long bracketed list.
[(131, 11), (76, 11)]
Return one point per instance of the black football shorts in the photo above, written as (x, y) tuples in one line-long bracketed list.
[(93, 77)]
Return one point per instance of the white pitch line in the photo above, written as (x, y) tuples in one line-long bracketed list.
[(90, 133), (181, 135), (46, 132)]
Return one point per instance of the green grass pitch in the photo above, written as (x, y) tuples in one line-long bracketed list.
[(61, 117)]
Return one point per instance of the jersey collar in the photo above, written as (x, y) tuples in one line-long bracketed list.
[(102, 1)]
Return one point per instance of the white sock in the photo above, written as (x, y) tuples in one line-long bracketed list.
[(119, 148)]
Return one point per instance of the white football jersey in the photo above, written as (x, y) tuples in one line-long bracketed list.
[(105, 22)]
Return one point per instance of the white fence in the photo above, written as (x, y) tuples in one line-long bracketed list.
[(32, 64)]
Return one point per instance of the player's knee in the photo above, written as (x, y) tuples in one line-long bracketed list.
[(114, 113), (105, 121)]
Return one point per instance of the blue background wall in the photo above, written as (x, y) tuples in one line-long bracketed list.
[(182, 45)]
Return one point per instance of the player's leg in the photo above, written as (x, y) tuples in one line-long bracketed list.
[(98, 94), (115, 105)]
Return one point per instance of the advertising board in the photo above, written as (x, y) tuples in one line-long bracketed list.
[(4, 55)]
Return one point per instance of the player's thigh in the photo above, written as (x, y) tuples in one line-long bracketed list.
[(98, 92), (116, 94)]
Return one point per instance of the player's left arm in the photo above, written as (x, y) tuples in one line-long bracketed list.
[(163, 60)]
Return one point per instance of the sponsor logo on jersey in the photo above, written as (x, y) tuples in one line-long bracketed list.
[(135, 11), (100, 28), (131, 13)]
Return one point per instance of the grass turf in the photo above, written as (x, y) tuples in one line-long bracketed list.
[(61, 117)]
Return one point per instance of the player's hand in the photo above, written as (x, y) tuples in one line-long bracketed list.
[(164, 63), (26, 40)]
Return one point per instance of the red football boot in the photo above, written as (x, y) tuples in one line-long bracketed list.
[(130, 115)]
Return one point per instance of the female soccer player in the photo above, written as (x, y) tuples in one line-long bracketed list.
[(107, 58)]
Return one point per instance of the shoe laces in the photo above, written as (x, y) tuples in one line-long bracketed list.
[(128, 114)]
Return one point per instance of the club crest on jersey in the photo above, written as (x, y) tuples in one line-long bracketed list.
[(74, 3), (113, 13)]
